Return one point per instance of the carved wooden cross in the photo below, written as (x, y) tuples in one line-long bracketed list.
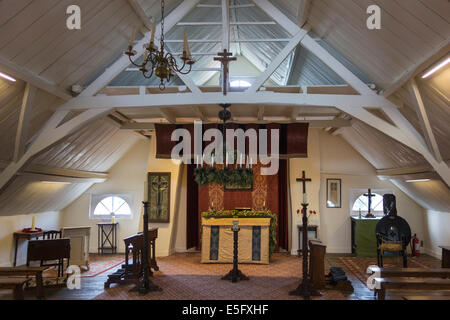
[(225, 57)]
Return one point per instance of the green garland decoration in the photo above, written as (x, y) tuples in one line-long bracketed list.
[(240, 177), (249, 214)]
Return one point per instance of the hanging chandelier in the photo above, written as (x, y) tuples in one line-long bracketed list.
[(162, 64), (237, 170)]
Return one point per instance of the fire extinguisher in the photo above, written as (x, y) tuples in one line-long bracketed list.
[(415, 246)]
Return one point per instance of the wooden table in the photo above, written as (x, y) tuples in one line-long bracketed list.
[(107, 233), (24, 235), (445, 256), (27, 271)]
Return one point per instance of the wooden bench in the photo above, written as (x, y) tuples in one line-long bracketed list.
[(27, 271), (384, 284), (443, 273), (16, 285)]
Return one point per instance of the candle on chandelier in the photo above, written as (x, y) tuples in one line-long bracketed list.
[(152, 38), (186, 45), (133, 34)]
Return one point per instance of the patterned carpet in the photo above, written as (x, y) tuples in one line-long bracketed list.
[(358, 266), (182, 276)]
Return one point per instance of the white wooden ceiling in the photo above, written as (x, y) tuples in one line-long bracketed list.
[(33, 36)]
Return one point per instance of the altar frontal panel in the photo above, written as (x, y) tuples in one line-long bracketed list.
[(217, 240)]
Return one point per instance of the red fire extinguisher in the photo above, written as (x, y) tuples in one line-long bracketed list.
[(415, 248)]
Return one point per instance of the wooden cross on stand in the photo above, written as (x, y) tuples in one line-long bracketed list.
[(303, 180), (369, 195), (305, 289), (225, 57)]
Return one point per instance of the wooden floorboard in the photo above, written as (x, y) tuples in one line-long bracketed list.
[(93, 286)]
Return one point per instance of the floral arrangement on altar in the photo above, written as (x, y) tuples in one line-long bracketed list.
[(249, 214)]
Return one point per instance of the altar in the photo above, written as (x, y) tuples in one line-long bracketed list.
[(217, 240)]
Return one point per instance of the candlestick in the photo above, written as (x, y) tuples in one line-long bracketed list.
[(305, 198), (146, 191), (33, 223), (133, 34)]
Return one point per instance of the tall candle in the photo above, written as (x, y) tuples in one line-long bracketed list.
[(33, 223), (305, 198), (226, 160), (186, 46), (133, 34), (146, 191), (240, 161), (113, 219), (185, 42), (152, 38), (212, 162)]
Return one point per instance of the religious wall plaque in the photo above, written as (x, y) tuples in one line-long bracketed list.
[(333, 193), (159, 196)]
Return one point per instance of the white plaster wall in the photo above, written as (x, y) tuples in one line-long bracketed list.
[(126, 176), (437, 226), (10, 224), (339, 160)]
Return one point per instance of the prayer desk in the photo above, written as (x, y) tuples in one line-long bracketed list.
[(217, 240)]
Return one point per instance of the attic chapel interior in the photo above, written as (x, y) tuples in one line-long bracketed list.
[(225, 150)]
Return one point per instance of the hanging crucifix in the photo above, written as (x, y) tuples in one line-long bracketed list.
[(305, 289), (369, 196), (225, 57)]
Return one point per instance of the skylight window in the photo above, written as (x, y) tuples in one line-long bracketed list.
[(240, 84)]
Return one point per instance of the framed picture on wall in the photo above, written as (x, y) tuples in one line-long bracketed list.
[(334, 193), (159, 196)]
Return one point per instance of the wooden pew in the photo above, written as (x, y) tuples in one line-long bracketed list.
[(443, 273), (27, 271), (384, 284), (16, 285)]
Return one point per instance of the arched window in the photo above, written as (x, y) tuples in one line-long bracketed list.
[(240, 84), (359, 202), (106, 206)]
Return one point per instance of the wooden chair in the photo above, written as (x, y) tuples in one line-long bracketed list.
[(49, 250), (51, 234), (386, 244)]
